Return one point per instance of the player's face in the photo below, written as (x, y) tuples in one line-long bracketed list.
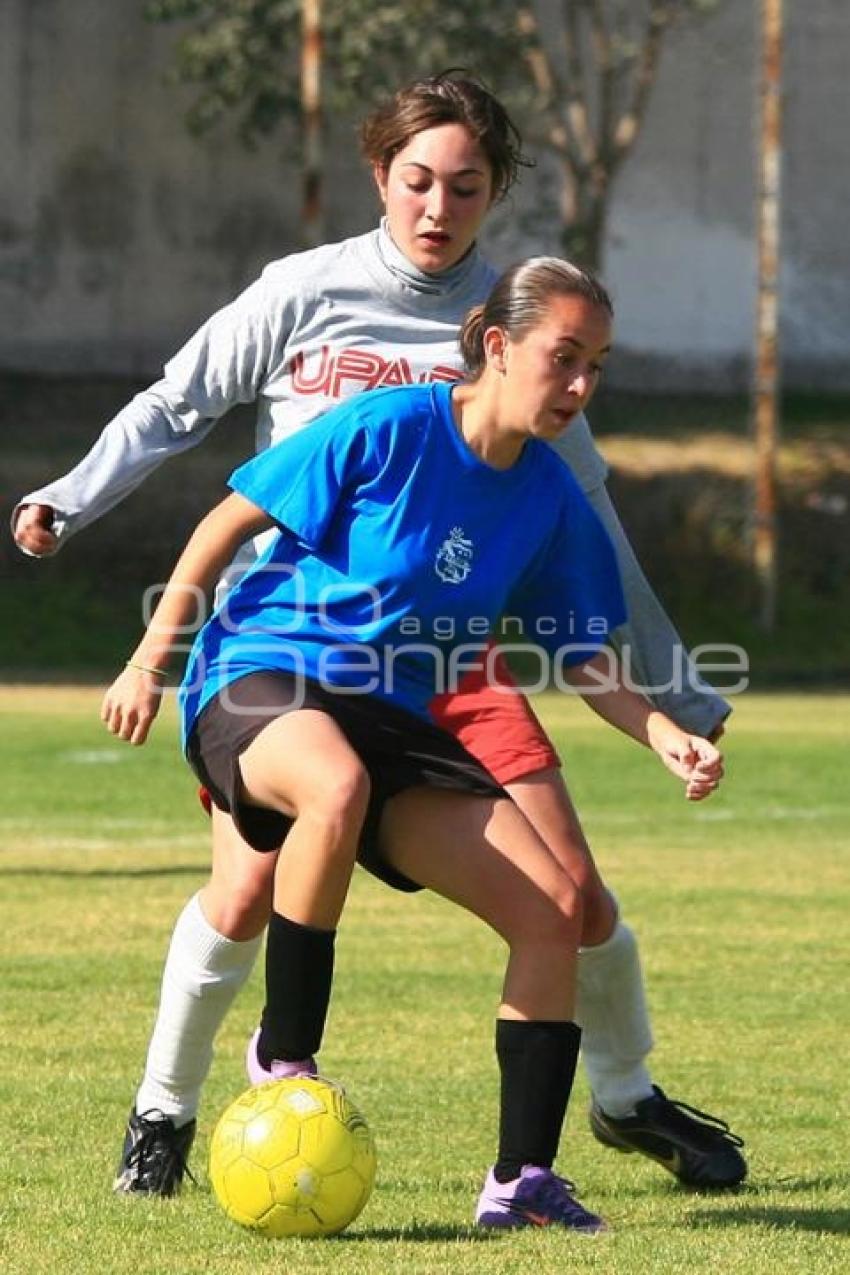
[(552, 372), (436, 192)]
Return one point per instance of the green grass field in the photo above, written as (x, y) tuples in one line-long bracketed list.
[(742, 908)]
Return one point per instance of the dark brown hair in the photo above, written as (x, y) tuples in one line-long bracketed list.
[(452, 97), (519, 299)]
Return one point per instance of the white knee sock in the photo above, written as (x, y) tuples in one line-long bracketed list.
[(611, 1010), (203, 973)]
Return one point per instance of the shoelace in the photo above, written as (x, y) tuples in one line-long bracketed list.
[(558, 1194), (158, 1142), (714, 1123)]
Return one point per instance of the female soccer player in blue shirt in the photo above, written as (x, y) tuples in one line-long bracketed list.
[(380, 309), (305, 701)]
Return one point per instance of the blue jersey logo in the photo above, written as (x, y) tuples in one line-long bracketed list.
[(454, 557)]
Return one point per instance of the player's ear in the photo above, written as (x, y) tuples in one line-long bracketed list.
[(495, 347), (380, 172)]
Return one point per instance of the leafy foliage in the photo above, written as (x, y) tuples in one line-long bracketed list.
[(242, 56)]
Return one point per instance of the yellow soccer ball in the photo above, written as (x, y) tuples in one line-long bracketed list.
[(293, 1157)]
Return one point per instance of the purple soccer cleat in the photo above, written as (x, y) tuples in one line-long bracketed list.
[(538, 1197), (279, 1069)]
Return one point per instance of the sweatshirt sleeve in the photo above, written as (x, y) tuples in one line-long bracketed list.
[(659, 664), (223, 364), (577, 449)]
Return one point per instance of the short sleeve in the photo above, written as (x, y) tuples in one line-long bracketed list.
[(572, 598), (300, 481)]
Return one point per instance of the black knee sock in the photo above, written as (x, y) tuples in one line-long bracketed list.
[(537, 1062), (299, 972)]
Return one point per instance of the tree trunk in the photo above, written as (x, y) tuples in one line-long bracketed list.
[(584, 211), (312, 218)]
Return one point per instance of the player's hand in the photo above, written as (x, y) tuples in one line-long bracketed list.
[(131, 704), (691, 758), (33, 530)]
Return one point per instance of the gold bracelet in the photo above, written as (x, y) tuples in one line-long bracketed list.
[(143, 668)]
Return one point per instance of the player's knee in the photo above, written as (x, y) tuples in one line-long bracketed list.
[(567, 910), (239, 907), (599, 913), (342, 796), (244, 917), (555, 919), (336, 808)]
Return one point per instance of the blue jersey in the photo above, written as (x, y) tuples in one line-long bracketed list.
[(399, 550)]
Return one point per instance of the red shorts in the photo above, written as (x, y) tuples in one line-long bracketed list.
[(497, 727)]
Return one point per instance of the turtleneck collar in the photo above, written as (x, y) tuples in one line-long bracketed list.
[(410, 276)]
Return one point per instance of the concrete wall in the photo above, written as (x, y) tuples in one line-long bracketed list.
[(681, 252), (119, 232)]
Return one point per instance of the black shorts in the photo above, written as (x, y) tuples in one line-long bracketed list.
[(398, 749)]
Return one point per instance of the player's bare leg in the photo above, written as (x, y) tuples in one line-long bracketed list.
[(483, 855), (213, 949), (628, 1111), (302, 765), (237, 899)]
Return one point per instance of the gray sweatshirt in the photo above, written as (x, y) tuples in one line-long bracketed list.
[(314, 328)]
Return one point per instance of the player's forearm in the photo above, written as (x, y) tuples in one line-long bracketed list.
[(209, 550), (598, 682), (183, 601), (144, 434)]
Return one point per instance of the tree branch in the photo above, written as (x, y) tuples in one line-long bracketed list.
[(606, 75), (576, 98), (545, 81), (659, 18)]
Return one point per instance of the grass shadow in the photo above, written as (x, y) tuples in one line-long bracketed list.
[(418, 1233), (820, 1221), (830, 1182)]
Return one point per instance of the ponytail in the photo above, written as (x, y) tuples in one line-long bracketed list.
[(472, 341)]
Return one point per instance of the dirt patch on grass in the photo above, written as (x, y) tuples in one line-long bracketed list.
[(815, 460)]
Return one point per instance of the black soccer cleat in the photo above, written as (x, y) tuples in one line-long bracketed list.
[(153, 1159), (698, 1149)]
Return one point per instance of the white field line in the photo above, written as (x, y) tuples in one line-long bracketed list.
[(774, 814), (99, 844), (94, 756), (117, 823)]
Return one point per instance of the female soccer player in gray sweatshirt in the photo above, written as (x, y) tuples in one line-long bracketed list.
[(376, 310)]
